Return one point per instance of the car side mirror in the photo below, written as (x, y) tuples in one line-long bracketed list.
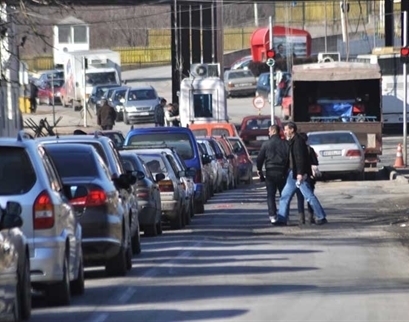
[(190, 172), (139, 175), (363, 147), (124, 181), (159, 177), (182, 173), (206, 159), (11, 216)]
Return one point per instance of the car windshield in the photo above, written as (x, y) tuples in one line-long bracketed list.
[(102, 91), (119, 94), (258, 124), (220, 132), (17, 175), (331, 138), (74, 163), (101, 78), (154, 163), (56, 74), (200, 132), (179, 141), (55, 83), (237, 146), (141, 95)]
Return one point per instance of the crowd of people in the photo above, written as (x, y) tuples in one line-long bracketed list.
[(291, 168)]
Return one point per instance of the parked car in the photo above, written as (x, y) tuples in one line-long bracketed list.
[(232, 160), (117, 99), (50, 75), (183, 140), (147, 191), (254, 131), (216, 168), (98, 93), (139, 105), (172, 193), (106, 237), (51, 228), (242, 63), (223, 162), (240, 83), (207, 172), (49, 95), (15, 282), (245, 162), (339, 154), (109, 153)]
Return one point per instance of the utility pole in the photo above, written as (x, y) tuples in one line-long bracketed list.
[(272, 98), (84, 109), (344, 25), (405, 91), (256, 14)]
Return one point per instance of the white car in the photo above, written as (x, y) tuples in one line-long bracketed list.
[(339, 154)]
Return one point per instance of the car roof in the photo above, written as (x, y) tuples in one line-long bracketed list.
[(330, 132), (121, 88), (71, 147), (140, 87), (153, 130), (84, 137)]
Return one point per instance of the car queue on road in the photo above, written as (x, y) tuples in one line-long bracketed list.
[(83, 200)]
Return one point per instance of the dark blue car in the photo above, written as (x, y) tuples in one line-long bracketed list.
[(180, 138)]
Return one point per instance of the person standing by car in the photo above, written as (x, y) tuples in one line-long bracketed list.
[(160, 113), (274, 155), (311, 180), (171, 117), (33, 97), (299, 166), (106, 116)]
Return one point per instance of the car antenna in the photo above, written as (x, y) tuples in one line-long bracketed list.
[(132, 127), (56, 134)]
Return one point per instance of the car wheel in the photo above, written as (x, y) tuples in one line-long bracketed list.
[(78, 285), (17, 305), (176, 223), (129, 254), (136, 242), (159, 227), (25, 292), (199, 207), (150, 230), (60, 293), (117, 265)]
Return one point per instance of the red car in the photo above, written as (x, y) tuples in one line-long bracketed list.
[(45, 93), (254, 131)]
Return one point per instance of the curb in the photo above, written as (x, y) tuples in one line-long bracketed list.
[(394, 175)]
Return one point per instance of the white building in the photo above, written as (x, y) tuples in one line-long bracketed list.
[(70, 34)]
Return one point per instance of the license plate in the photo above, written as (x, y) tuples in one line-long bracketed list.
[(331, 153), (261, 138), (242, 85), (144, 113), (167, 206), (130, 109)]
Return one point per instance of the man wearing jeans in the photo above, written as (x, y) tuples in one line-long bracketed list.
[(299, 166), (274, 154)]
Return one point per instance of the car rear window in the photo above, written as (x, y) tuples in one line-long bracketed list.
[(258, 124), (201, 132), (154, 163), (331, 138), (99, 148), (17, 175), (74, 163), (220, 132), (179, 141), (237, 146)]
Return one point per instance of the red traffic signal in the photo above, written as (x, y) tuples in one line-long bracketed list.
[(271, 54), (404, 55)]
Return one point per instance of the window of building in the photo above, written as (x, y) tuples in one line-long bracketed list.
[(64, 34), (80, 34)]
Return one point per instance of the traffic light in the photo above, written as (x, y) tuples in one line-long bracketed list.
[(404, 55), (271, 54)]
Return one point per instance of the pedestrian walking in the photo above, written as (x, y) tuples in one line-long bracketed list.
[(33, 97), (106, 116), (274, 156), (299, 167), (312, 181), (171, 116), (160, 113)]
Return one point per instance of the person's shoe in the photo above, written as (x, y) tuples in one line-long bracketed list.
[(311, 218), (321, 221), (272, 219), (301, 218), (279, 222)]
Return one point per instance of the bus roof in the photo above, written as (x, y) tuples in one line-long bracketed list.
[(335, 71)]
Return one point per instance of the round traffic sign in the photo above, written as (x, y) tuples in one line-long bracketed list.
[(258, 102), (270, 62)]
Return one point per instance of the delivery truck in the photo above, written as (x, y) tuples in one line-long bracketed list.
[(85, 69)]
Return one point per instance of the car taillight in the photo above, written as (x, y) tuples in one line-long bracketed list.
[(43, 212), (94, 198), (142, 194), (198, 176), (166, 186), (353, 153)]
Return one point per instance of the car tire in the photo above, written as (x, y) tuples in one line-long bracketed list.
[(199, 207), (17, 305), (129, 253), (159, 228), (60, 293), (25, 292), (78, 285), (117, 265), (176, 223), (136, 243), (150, 230)]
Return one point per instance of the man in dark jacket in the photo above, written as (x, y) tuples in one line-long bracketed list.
[(274, 155), (299, 166), (106, 116), (33, 97), (160, 113)]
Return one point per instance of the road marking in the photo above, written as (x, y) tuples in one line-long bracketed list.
[(124, 296)]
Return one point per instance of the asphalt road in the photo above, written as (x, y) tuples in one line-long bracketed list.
[(230, 264)]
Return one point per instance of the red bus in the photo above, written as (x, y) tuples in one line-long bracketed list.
[(298, 41)]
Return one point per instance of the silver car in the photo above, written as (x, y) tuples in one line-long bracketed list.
[(53, 232), (215, 166), (139, 105), (339, 153), (172, 193), (240, 82)]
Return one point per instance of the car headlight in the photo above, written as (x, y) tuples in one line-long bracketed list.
[(119, 108)]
